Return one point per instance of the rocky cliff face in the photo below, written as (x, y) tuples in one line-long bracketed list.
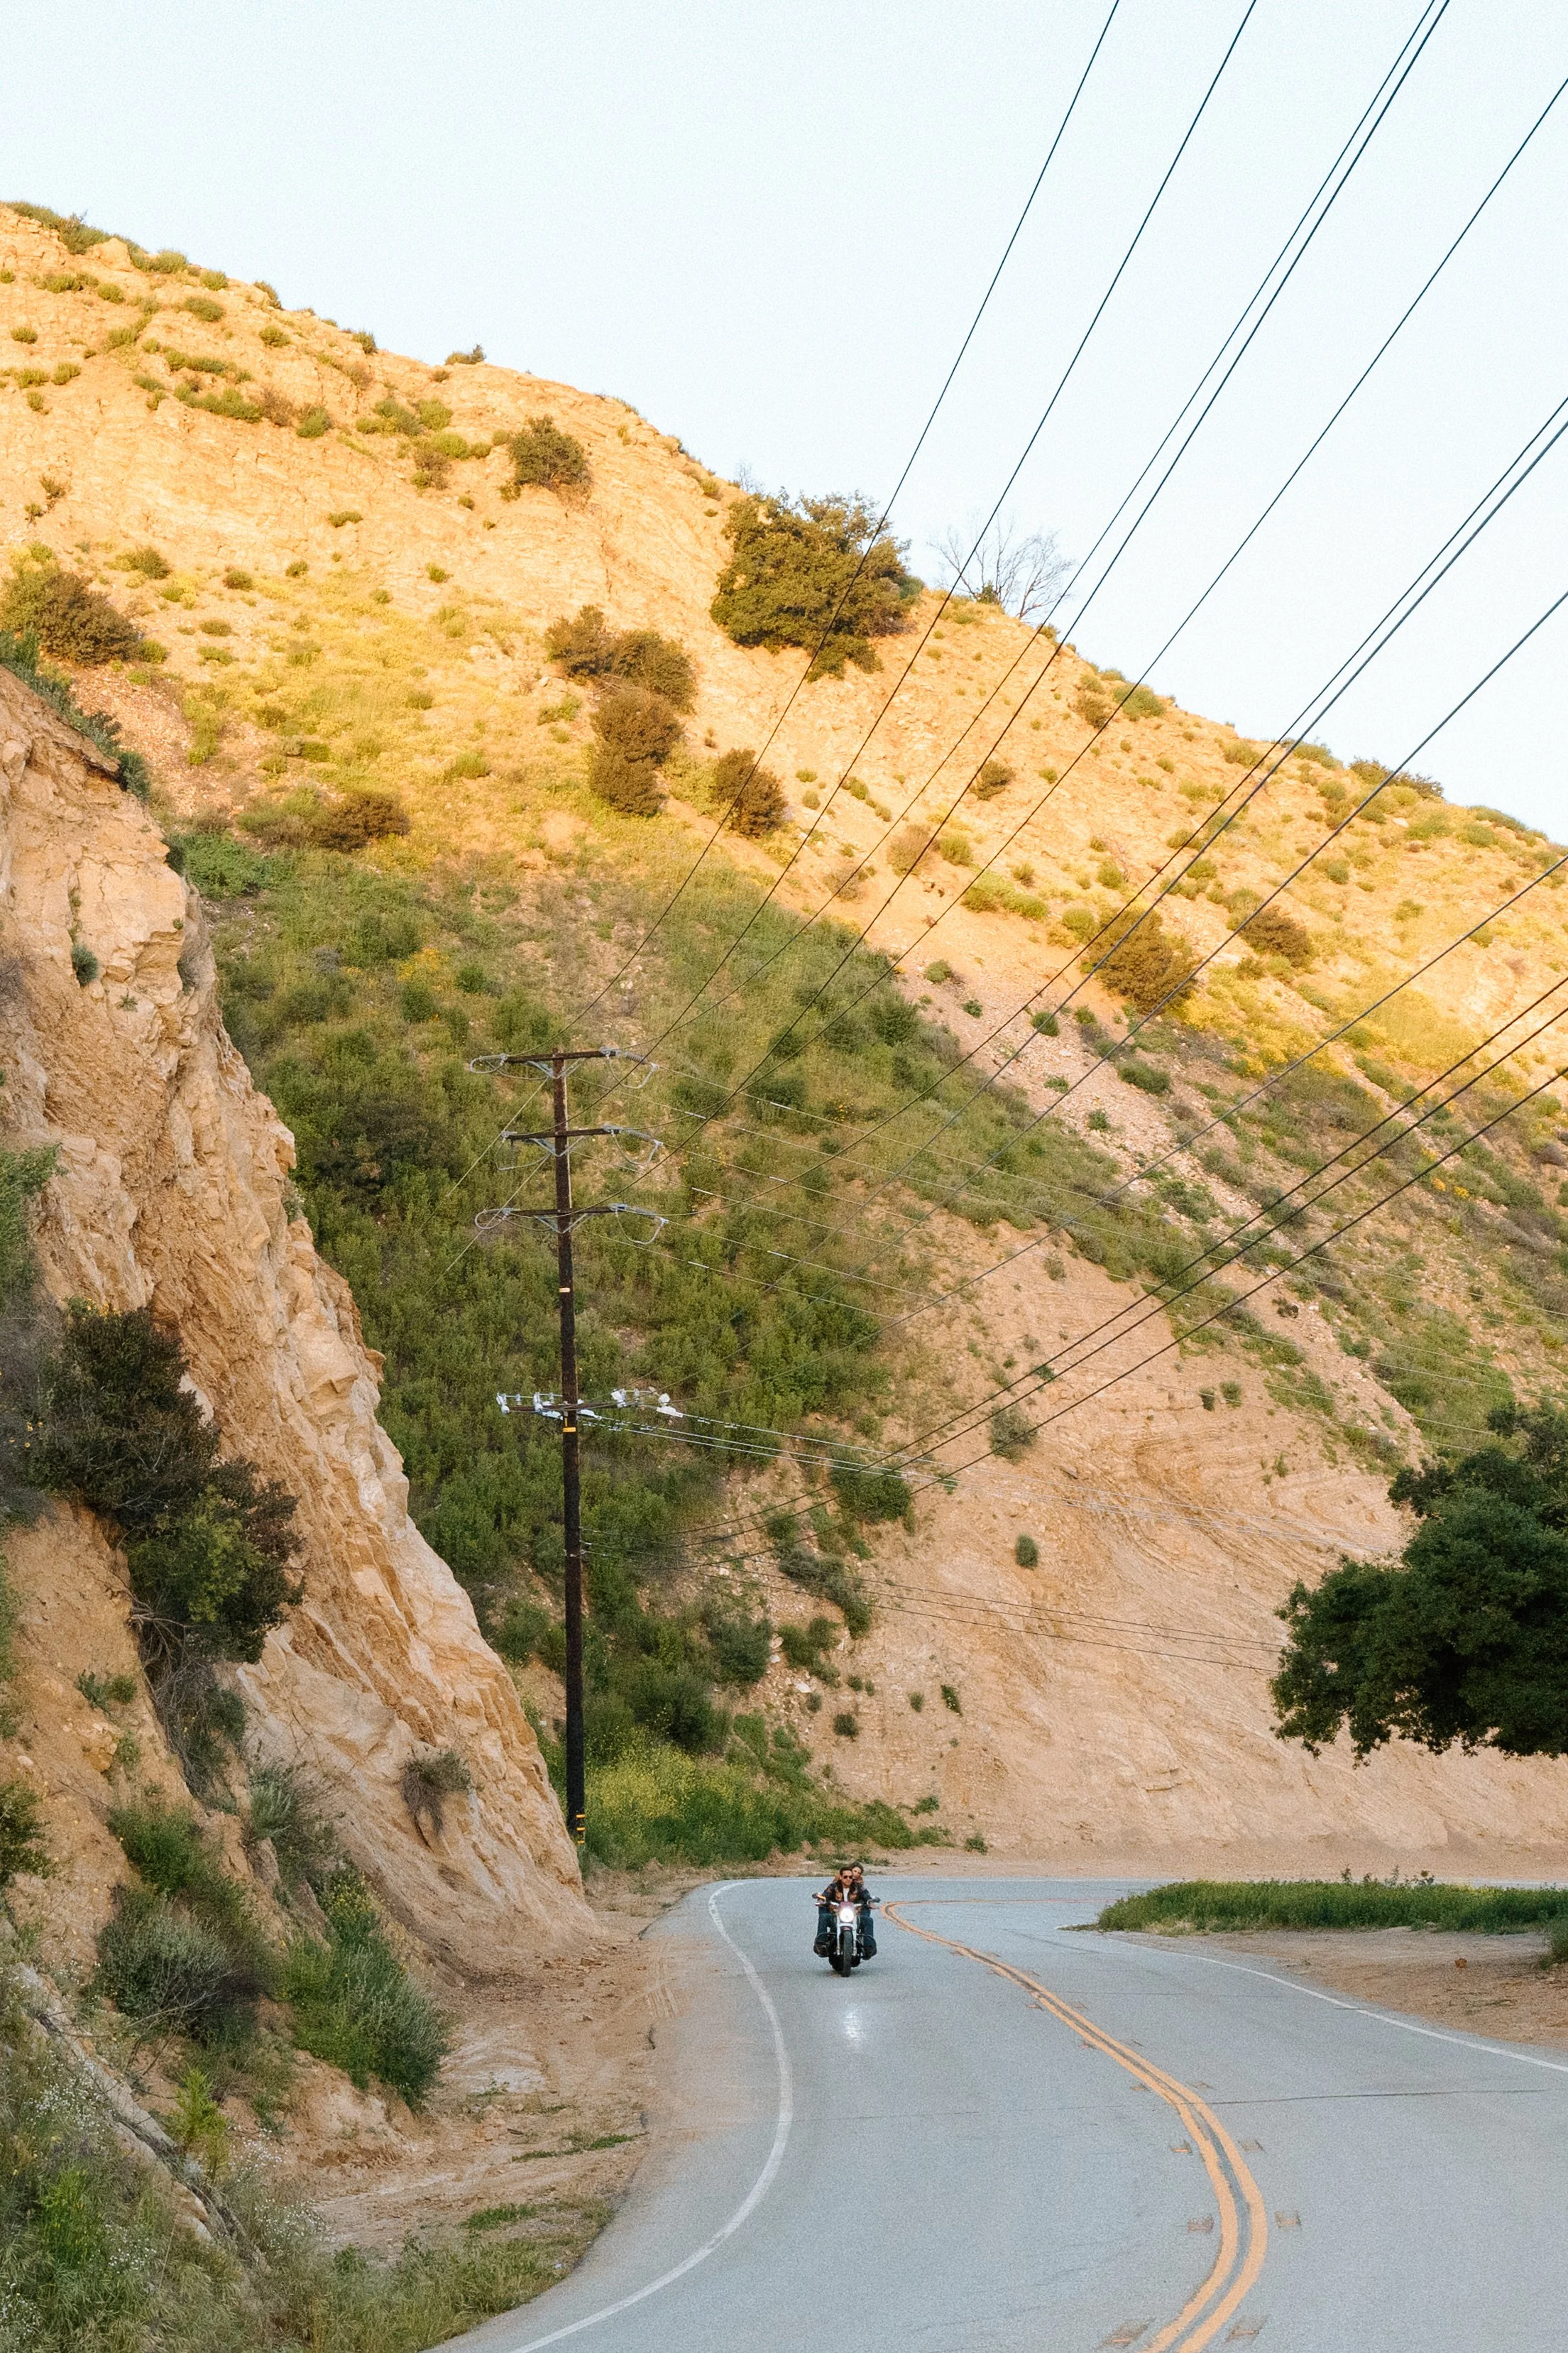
[(173, 1190)]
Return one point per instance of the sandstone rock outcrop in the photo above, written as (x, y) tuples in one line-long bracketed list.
[(172, 1188)]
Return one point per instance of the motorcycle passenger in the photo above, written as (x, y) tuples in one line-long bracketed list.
[(847, 1886)]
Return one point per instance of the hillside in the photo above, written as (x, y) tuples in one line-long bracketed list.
[(347, 591)]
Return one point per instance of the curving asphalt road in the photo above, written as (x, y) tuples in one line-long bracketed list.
[(998, 2135)]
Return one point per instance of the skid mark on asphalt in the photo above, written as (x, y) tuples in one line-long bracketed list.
[(1243, 2220)]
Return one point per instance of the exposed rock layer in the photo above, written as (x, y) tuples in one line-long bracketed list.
[(172, 1189)]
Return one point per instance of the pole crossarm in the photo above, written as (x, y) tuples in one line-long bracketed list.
[(487, 1219), (489, 1065)]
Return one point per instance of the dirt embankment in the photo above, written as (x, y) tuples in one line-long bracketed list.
[(1493, 1988)]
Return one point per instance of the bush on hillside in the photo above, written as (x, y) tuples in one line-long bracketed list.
[(635, 734), (544, 457), (208, 1543), (62, 614), (994, 777), (813, 572), (637, 724), (632, 786), (588, 647), (22, 1848), (73, 232), (751, 796), (1149, 967), (355, 2004), (1012, 1433), (357, 819), (1273, 932)]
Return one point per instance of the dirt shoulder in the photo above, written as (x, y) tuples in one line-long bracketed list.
[(1491, 1987), (540, 2105)]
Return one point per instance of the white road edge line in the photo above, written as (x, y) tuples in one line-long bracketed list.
[(1362, 2009), (760, 2187)]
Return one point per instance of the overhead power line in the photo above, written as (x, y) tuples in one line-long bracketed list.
[(1449, 1152), (1270, 1219), (670, 905), (1396, 74), (935, 827)]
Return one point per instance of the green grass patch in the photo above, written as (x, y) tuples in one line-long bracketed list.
[(1214, 1904), (655, 1804)]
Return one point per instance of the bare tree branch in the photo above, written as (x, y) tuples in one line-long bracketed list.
[(1022, 571)]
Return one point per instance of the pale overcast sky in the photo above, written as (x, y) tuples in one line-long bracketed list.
[(769, 228)]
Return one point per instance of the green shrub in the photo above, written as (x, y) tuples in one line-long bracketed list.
[(545, 457), (1148, 966), (466, 359), (1273, 932), (637, 724), (428, 1782), (218, 866), (1027, 1553), (73, 232), (359, 817), (994, 777), (284, 1808), (957, 848), (870, 1491), (313, 421), (804, 1647), (847, 1724), (632, 786), (148, 561), (1242, 755), (815, 573), (588, 647), (657, 1806), (23, 1851), (164, 1970), (742, 1647), (636, 733), (1147, 1076), (1012, 1433), (203, 307), (208, 1543), (752, 796), (1046, 1023), (355, 2005), (950, 1699), (84, 964), (60, 612), (907, 849), (1142, 703)]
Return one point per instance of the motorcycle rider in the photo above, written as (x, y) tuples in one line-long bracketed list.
[(847, 1886)]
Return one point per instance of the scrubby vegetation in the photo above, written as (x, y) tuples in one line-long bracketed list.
[(634, 733), (752, 796), (93, 2251), (813, 572), (587, 647), (1220, 1904), (208, 1541), (58, 611), (547, 456)]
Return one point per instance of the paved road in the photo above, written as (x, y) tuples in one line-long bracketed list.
[(998, 2135)]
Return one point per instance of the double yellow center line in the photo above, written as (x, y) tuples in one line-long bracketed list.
[(1243, 2220)]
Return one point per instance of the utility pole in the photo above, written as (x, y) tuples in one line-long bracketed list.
[(557, 1139)]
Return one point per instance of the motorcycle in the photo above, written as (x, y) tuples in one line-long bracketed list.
[(844, 1952)]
